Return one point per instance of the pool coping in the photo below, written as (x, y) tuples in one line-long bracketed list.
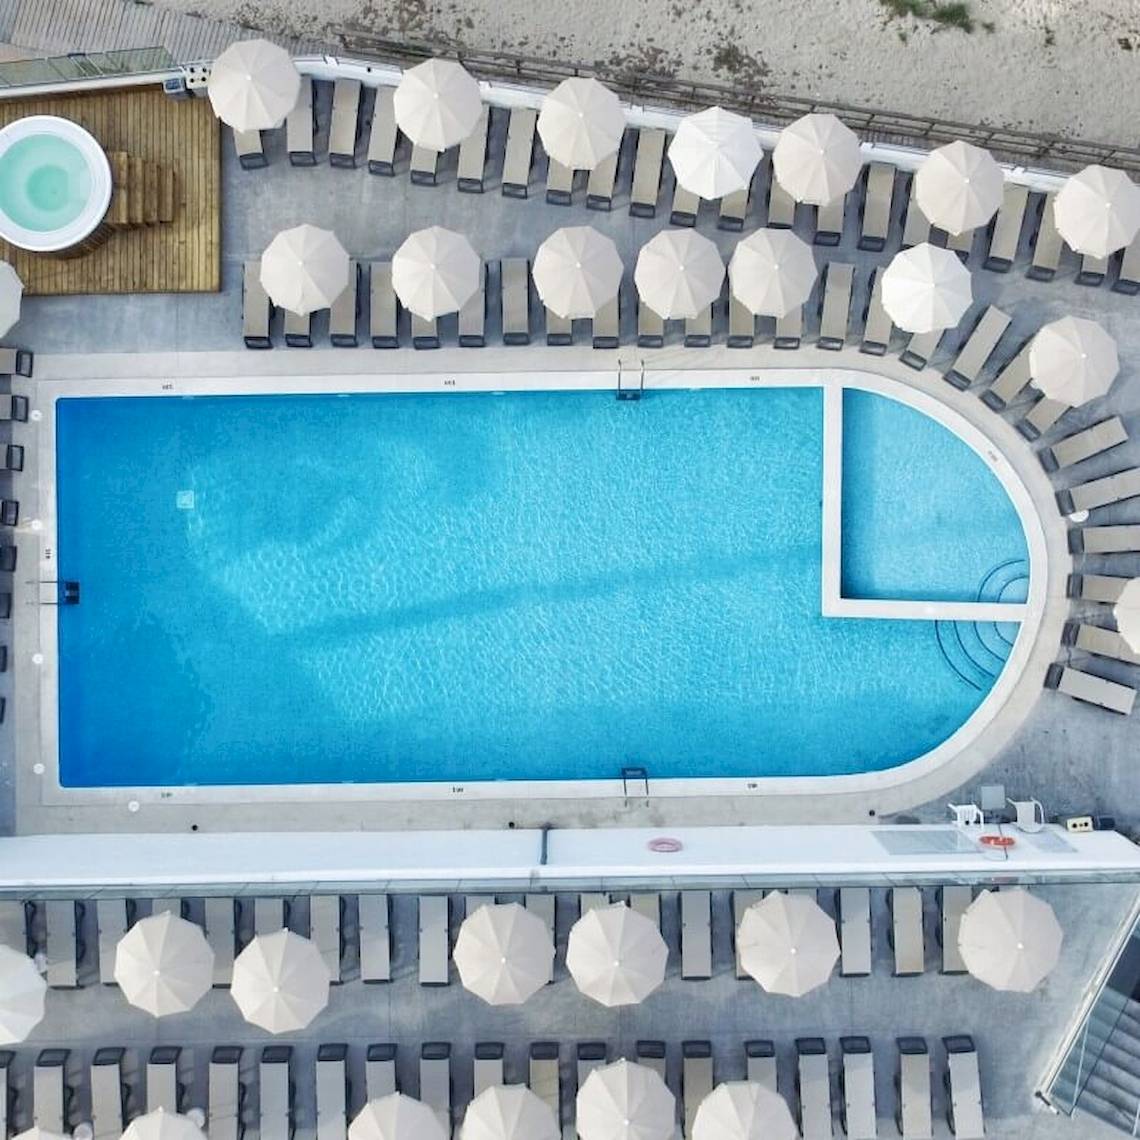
[(43, 806)]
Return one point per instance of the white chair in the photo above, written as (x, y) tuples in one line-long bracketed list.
[(1030, 815), (967, 815)]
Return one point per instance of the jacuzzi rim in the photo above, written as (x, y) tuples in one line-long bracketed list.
[(98, 200)]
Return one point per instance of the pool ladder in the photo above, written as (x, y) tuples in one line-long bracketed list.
[(629, 392)]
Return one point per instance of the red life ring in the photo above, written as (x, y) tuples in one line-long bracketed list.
[(665, 845), (1000, 841)]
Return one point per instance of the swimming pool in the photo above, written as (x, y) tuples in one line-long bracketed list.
[(533, 586)]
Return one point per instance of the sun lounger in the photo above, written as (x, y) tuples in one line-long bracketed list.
[(270, 915), (1092, 271), (9, 512), (1094, 690), (920, 348), (13, 407), (906, 932), (916, 229), (1011, 381), (473, 317), (741, 901), (980, 344), (647, 172), (1085, 444), (275, 1088), (544, 1078), (789, 329), (600, 184), (383, 134), (733, 210), (543, 906), (250, 151), (1041, 417), (963, 1088), (877, 325), (113, 918), (835, 305), (222, 937), (162, 1089), (325, 915), (686, 206), (829, 222), (781, 205), (16, 361), (375, 939), (60, 946), (696, 934), (425, 333), (760, 1059), (8, 554), (648, 905), (651, 1054), (345, 119), (108, 1095), (559, 330), (1128, 278), (559, 183), (1046, 243), (650, 327), (591, 1055), (696, 1078), (435, 950), (913, 1115), (875, 213), (383, 310), (813, 1088), (952, 903), (1104, 588), (300, 127), (515, 293), (857, 1086), (424, 167), (8, 1098), (255, 308), (698, 329), (51, 1096), (519, 153), (487, 1070), (298, 330), (435, 1080), (380, 1070), (345, 309), (741, 324), (853, 911), (1005, 229), (592, 900), (606, 325), (472, 168), (332, 1092), (962, 244), (1100, 492), (12, 457), (1122, 539)]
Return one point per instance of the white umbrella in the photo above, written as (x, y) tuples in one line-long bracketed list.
[(576, 271), (1098, 210), (926, 288), (1127, 614), (714, 152), (1009, 939), (744, 1110), (11, 294), (396, 1117), (22, 990), (581, 122), (678, 274), (787, 944), (280, 982), (771, 272), (162, 1125), (164, 964), (435, 272), (817, 159), (959, 187), (37, 1133), (624, 1101), (615, 955), (304, 269), (1073, 360), (437, 103), (253, 85), (503, 953), (509, 1112)]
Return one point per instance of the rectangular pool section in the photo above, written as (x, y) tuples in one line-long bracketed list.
[(457, 588)]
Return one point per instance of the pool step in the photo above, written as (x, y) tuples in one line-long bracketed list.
[(143, 192)]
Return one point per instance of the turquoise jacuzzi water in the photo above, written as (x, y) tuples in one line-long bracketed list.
[(45, 182), (295, 589)]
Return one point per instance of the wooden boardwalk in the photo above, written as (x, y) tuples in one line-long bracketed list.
[(183, 256)]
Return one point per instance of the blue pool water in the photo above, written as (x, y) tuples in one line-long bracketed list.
[(290, 589)]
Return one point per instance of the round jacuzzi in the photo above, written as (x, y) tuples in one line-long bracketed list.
[(55, 183)]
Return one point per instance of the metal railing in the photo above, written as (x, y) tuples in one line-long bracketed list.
[(78, 67), (646, 88)]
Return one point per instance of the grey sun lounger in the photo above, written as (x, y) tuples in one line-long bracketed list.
[(332, 1092), (733, 210), (1128, 278), (559, 183), (1041, 417), (962, 244), (470, 174), (519, 154), (829, 222), (853, 909), (953, 900), (16, 361), (600, 184), (857, 1088), (275, 1092), (543, 906), (383, 308), (592, 900), (12, 457), (300, 127), (108, 1094), (383, 135), (325, 916), (979, 346), (435, 1080), (250, 151), (741, 901), (425, 333), (7, 1096), (741, 324), (1046, 243), (256, 310), (1005, 229), (487, 1068), (559, 330), (162, 1088), (514, 284), (920, 348), (963, 1088), (781, 205), (1103, 642), (651, 1054), (696, 1079), (760, 1063), (544, 1077), (9, 512), (906, 934), (647, 172), (875, 213), (686, 206), (913, 1116), (113, 918), (51, 1095), (1100, 492), (13, 408), (790, 329), (380, 1070), (1085, 444), (1093, 690), (434, 940), (606, 325), (1121, 539), (696, 934), (344, 311), (877, 325), (60, 945), (698, 329), (813, 1088), (1105, 588), (1011, 381), (344, 128), (270, 915), (375, 938), (648, 905), (14, 926), (298, 330), (221, 934), (1092, 270), (591, 1055), (473, 317), (835, 305), (424, 167), (650, 327), (916, 228)]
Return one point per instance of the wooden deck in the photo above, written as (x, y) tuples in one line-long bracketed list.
[(182, 256)]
